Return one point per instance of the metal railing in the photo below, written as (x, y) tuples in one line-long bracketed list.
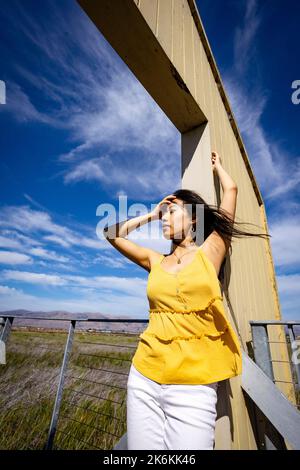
[(263, 355), (67, 389), (277, 417), (61, 392)]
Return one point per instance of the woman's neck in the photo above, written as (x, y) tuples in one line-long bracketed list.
[(183, 245)]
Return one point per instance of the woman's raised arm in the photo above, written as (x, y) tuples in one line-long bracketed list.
[(116, 235)]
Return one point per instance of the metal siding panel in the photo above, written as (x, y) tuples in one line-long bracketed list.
[(224, 150), (210, 78), (188, 77), (148, 8), (199, 75), (164, 25), (216, 114), (178, 56)]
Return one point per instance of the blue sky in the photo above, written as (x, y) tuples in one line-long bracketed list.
[(75, 134)]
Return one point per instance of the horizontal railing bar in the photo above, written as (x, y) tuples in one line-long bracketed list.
[(95, 382), (278, 342), (91, 409), (104, 344), (105, 370), (278, 360), (274, 322), (286, 381), (77, 318), (62, 415), (78, 439), (105, 357), (95, 396)]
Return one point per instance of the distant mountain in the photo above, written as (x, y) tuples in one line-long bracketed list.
[(45, 322), (58, 319)]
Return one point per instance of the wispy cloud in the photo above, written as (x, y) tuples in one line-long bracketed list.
[(29, 221), (127, 285), (244, 37), (285, 232), (33, 278), (37, 235), (11, 257), (12, 298), (277, 171), (91, 93), (288, 286), (50, 255)]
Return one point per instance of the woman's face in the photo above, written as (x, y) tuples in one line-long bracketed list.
[(176, 221)]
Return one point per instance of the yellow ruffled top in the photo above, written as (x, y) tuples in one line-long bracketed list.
[(188, 339)]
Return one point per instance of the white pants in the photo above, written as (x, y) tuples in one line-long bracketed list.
[(172, 416)]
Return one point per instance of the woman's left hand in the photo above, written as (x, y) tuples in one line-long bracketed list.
[(215, 160)]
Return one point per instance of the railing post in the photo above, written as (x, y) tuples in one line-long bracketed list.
[(295, 365), (56, 408), (6, 324), (8, 321), (262, 356), (261, 349)]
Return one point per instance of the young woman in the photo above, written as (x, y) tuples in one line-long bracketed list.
[(189, 345)]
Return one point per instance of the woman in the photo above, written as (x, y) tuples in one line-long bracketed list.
[(189, 346)]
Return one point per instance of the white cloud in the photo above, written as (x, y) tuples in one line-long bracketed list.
[(57, 240), (289, 293), (285, 231), (100, 102), (245, 35), (7, 290), (20, 105), (33, 278), (135, 306), (11, 257), (290, 284), (28, 220), (13, 238), (6, 242), (276, 170), (88, 170), (128, 285), (46, 254)]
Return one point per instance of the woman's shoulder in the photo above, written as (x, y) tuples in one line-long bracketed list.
[(155, 257)]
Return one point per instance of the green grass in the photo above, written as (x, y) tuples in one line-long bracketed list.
[(93, 409)]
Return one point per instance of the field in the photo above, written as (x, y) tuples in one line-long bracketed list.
[(93, 408)]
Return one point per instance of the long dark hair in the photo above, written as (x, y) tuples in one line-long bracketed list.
[(215, 218)]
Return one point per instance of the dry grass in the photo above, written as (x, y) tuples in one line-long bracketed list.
[(93, 410)]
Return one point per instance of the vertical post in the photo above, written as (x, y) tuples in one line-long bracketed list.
[(56, 408), (6, 324), (8, 321), (261, 349), (295, 365), (262, 356)]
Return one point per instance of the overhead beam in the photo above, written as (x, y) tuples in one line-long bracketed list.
[(125, 28)]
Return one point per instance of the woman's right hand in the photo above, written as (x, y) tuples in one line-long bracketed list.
[(157, 212)]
